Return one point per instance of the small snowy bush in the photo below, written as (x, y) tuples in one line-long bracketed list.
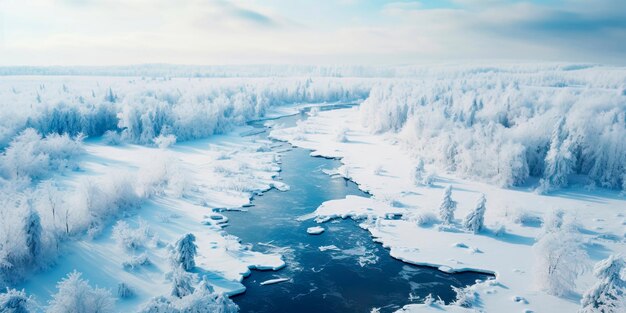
[(341, 135), (425, 219), (526, 218), (111, 138), (499, 229), (164, 175), (124, 291), (136, 261), (131, 238), (75, 295), (165, 141)]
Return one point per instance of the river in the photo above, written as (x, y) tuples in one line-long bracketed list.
[(357, 277)]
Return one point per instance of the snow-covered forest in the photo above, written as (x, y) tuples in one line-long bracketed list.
[(537, 128), (504, 125)]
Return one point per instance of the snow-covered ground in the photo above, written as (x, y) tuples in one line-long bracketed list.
[(220, 172), (164, 156), (384, 168)]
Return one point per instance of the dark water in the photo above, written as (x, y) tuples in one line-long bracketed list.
[(357, 278)]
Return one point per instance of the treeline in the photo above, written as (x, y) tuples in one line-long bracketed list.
[(141, 109)]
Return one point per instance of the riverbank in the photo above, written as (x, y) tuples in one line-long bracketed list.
[(380, 166)]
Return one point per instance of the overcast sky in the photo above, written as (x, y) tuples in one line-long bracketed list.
[(120, 32)]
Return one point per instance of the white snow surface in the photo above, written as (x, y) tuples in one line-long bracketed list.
[(315, 230), (382, 167), (207, 180)]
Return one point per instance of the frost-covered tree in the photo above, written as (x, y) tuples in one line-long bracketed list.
[(33, 233), (16, 301), (559, 258), (201, 300), (341, 135), (204, 300), (110, 96), (131, 238), (182, 282), (475, 220), (75, 295), (185, 252), (560, 160), (555, 222), (419, 173), (447, 206), (164, 141), (609, 293), (160, 304)]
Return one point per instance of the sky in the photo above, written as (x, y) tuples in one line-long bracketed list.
[(323, 32)]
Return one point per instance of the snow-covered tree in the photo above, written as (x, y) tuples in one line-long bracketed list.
[(159, 304), (447, 206), (555, 222), (75, 295), (341, 135), (185, 251), (560, 160), (204, 300), (110, 96), (16, 301), (164, 141), (475, 220), (131, 238), (609, 293), (182, 282), (559, 258), (33, 233), (419, 173)]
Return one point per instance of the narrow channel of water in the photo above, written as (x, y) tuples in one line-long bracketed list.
[(357, 277)]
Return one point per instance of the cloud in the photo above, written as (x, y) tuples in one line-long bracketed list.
[(231, 10), (556, 30), (401, 7), (253, 31)]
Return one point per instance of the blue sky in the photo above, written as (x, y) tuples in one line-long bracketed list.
[(116, 32)]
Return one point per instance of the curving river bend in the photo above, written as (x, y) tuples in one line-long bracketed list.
[(357, 277)]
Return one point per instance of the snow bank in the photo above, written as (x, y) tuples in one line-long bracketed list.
[(401, 215), (177, 191)]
